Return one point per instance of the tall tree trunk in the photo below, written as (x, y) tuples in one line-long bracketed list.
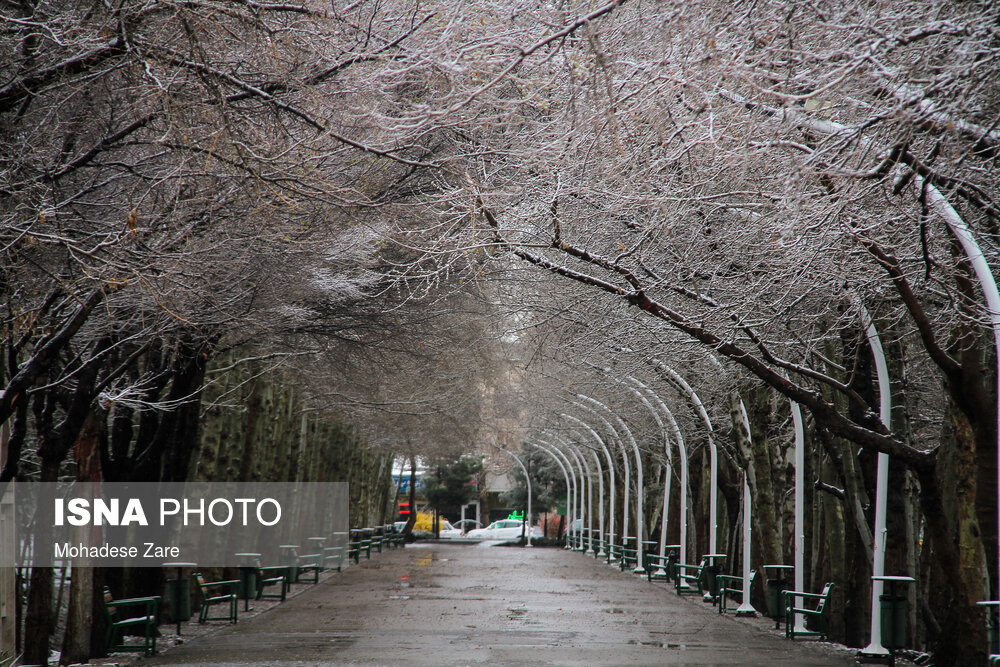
[(40, 617), (961, 637), (54, 444), (765, 510), (76, 642)]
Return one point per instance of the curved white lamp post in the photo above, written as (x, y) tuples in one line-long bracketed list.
[(939, 204), (800, 504), (640, 517), (571, 492), (664, 522), (685, 483), (555, 458), (527, 481), (713, 502), (600, 503), (625, 465), (611, 479), (875, 647), (745, 607), (586, 482)]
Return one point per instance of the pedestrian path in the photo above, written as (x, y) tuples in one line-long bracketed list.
[(454, 604)]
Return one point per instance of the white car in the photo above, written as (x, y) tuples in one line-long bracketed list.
[(465, 525), (447, 531), (504, 529)]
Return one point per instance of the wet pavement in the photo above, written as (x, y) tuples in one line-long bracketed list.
[(460, 604)]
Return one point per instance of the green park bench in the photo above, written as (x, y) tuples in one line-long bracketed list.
[(309, 563), (217, 593), (272, 575), (366, 544), (813, 608), (629, 558), (354, 551), (689, 578), (118, 623), (658, 567), (333, 557), (730, 584), (662, 567), (599, 546)]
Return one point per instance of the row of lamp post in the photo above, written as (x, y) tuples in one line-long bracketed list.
[(580, 508)]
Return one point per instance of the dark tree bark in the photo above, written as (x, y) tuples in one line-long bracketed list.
[(76, 642)]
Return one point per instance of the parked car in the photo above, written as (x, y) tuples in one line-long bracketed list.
[(446, 531), (504, 529), (465, 525)]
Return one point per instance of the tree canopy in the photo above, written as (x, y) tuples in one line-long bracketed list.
[(457, 224)]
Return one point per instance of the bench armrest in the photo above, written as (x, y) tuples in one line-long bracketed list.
[(804, 610), (228, 582), (134, 601), (800, 594)]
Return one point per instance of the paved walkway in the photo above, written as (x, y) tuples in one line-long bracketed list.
[(455, 604)]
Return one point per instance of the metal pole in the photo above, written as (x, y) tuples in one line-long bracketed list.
[(669, 467), (685, 489), (556, 458), (875, 647), (939, 204), (639, 492), (586, 490), (745, 607), (600, 502), (800, 509), (713, 501), (570, 495), (625, 464), (611, 479), (527, 481)]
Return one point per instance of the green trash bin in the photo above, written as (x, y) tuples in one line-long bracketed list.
[(180, 599), (992, 636), (893, 611), (774, 588), (992, 633), (248, 582), (711, 574)]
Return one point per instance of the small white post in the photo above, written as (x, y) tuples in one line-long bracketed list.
[(745, 608), (800, 510), (527, 481), (875, 647)]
